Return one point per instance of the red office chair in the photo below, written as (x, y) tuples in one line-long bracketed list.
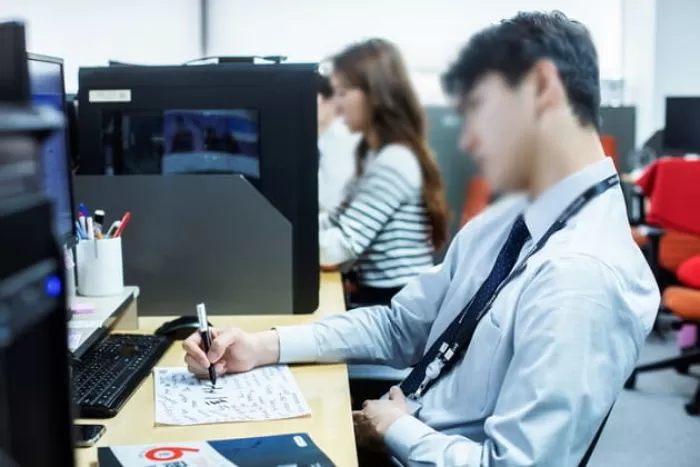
[(681, 300), (476, 198), (674, 254), (610, 148)]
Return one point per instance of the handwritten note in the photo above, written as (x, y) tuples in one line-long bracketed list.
[(268, 393)]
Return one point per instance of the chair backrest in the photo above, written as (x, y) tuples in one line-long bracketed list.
[(610, 148), (672, 186), (476, 199), (675, 247)]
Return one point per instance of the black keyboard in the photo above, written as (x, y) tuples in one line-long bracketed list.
[(106, 376)]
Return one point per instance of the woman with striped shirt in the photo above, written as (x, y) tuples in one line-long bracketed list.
[(395, 214)]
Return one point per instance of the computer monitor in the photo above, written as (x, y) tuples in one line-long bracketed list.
[(35, 403), (146, 125), (47, 89), (682, 128)]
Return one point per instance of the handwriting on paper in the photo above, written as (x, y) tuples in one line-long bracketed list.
[(267, 393)]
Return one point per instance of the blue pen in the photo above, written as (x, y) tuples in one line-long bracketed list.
[(79, 229), (83, 210)]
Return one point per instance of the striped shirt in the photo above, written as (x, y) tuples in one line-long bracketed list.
[(382, 230)]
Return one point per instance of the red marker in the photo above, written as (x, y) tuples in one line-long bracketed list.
[(122, 226)]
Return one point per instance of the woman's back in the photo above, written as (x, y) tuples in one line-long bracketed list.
[(395, 214)]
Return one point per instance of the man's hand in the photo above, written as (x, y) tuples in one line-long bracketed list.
[(383, 413), (366, 437), (232, 351)]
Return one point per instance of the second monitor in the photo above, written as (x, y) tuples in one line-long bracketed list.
[(47, 89), (682, 128), (185, 135)]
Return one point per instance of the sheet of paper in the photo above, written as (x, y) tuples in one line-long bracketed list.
[(268, 393)]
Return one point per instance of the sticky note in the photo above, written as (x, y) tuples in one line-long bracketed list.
[(82, 308)]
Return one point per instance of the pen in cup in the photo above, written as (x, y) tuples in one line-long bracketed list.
[(90, 229), (82, 235), (113, 229), (98, 220), (83, 210), (122, 225), (83, 223), (206, 338)]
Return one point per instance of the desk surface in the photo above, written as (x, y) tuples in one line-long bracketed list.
[(325, 388)]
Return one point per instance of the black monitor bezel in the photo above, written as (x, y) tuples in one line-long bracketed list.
[(673, 148), (67, 239)]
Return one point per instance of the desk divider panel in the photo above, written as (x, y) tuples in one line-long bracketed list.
[(210, 238)]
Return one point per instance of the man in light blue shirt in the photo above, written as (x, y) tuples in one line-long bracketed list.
[(565, 298)]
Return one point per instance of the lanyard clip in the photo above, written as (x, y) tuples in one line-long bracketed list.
[(432, 371)]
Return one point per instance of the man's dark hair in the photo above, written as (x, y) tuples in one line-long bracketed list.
[(512, 47), (323, 86)]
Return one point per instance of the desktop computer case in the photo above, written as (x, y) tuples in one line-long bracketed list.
[(214, 238)]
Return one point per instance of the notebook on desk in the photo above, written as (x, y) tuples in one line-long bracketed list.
[(288, 450)]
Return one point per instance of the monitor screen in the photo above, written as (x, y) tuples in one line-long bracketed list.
[(182, 141), (682, 129), (46, 87)]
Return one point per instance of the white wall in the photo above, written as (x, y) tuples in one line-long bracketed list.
[(661, 57), (638, 63), (85, 32), (677, 56), (428, 32)]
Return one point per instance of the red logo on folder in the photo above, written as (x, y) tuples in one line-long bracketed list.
[(167, 453)]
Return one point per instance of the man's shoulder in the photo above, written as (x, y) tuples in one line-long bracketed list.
[(622, 284)]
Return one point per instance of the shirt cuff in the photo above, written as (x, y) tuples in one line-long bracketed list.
[(404, 434), (297, 344), (334, 247)]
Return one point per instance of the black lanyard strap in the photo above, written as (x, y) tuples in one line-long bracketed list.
[(455, 340)]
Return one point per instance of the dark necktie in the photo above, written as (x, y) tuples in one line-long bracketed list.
[(504, 264)]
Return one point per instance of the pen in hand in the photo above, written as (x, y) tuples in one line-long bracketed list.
[(206, 338)]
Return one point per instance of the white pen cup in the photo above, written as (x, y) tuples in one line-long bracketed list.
[(100, 267), (70, 282)]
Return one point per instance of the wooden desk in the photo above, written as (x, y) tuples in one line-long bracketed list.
[(325, 388)]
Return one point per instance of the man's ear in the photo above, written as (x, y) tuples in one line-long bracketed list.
[(548, 87)]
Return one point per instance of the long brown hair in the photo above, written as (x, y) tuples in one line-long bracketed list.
[(377, 69)]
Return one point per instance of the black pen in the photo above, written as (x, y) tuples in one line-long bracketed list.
[(206, 338), (99, 220)]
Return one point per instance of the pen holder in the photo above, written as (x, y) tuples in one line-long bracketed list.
[(100, 267), (70, 282)]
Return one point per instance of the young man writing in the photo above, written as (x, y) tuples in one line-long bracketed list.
[(522, 339)]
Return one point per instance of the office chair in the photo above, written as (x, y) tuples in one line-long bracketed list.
[(682, 250), (674, 257), (664, 189), (477, 197), (609, 144)]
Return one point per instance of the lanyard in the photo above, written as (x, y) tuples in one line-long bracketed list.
[(456, 344)]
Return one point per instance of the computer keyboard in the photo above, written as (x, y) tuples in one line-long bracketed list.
[(106, 376)]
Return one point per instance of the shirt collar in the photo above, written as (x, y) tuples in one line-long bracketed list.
[(541, 213)]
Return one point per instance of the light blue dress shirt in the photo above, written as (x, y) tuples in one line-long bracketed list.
[(545, 364)]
